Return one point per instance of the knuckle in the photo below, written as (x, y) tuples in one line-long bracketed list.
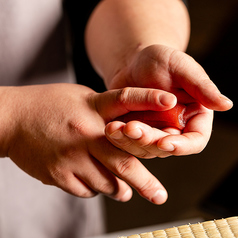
[(178, 60), (77, 127), (125, 144), (122, 95), (57, 174), (152, 96), (146, 142), (61, 178), (106, 188), (126, 166), (148, 186)]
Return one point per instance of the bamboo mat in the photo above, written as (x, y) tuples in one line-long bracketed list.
[(223, 228)]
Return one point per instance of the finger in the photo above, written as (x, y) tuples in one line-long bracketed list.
[(88, 177), (71, 184), (172, 131), (114, 133), (136, 138), (195, 137), (101, 180), (130, 169), (119, 102), (82, 186), (196, 82), (145, 137)]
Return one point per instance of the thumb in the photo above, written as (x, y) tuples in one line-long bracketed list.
[(114, 103), (193, 78)]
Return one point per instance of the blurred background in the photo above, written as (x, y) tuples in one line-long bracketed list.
[(202, 185)]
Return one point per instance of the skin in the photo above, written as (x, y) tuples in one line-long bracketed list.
[(149, 54), (61, 134), (188, 88), (60, 139)]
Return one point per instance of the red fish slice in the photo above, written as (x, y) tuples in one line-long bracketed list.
[(174, 117)]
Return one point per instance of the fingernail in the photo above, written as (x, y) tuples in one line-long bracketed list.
[(116, 134), (159, 197), (167, 147), (167, 99), (134, 134)]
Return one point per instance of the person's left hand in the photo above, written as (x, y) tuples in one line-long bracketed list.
[(164, 68), (144, 141)]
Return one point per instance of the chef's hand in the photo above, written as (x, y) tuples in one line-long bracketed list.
[(57, 136), (171, 70), (144, 141)]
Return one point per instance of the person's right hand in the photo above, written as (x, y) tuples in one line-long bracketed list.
[(55, 133)]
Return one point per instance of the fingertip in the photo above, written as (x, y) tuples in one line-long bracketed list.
[(127, 195), (160, 197), (227, 103), (212, 99), (168, 100)]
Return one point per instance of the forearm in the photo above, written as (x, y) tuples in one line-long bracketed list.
[(9, 118), (118, 29)]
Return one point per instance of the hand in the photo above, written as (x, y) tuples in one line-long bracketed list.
[(59, 139), (144, 141), (173, 71), (161, 67)]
